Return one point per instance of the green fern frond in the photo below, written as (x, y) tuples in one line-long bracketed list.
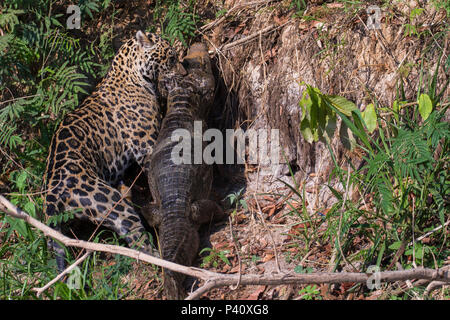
[(7, 136), (179, 24), (386, 196)]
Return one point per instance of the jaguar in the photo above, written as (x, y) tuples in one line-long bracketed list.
[(114, 127)]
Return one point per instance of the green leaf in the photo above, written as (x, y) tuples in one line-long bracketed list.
[(370, 118), (18, 225), (335, 192), (396, 109), (299, 269), (243, 204), (305, 104), (30, 208), (418, 250), (360, 132), (381, 253), (395, 246), (343, 105), (330, 125), (21, 180), (305, 129), (223, 257), (314, 111), (425, 105)]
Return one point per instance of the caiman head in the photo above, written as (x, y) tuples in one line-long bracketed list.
[(198, 77)]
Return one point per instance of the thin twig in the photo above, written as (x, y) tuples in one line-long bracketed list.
[(253, 36), (18, 164), (203, 289), (430, 232), (340, 220), (62, 274), (24, 97), (234, 287), (270, 234)]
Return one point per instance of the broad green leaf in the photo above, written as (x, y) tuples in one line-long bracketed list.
[(343, 105), (370, 118), (305, 104), (243, 204), (425, 106), (418, 250), (314, 111)]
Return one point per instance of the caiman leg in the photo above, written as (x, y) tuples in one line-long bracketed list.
[(151, 214), (205, 211)]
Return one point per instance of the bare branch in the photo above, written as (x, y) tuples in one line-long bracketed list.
[(214, 279), (253, 36)]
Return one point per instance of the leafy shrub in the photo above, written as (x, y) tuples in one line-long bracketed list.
[(44, 75), (405, 171)]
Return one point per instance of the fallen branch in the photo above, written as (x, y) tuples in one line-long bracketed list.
[(219, 280), (15, 212), (214, 279), (252, 36)]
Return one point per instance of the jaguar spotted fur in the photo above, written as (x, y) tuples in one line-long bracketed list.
[(115, 126)]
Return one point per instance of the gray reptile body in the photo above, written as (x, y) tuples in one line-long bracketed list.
[(181, 191)]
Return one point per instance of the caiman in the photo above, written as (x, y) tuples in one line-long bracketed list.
[(180, 191)]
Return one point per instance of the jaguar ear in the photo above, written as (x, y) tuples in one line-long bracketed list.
[(143, 40)]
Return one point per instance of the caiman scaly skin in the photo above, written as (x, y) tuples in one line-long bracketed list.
[(181, 191)]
